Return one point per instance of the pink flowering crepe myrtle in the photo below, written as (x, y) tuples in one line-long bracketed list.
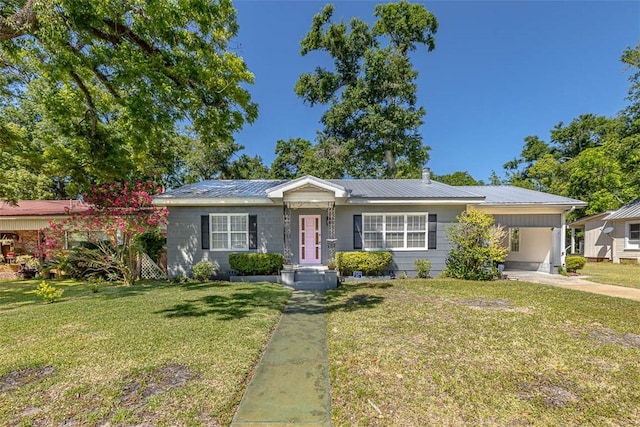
[(120, 211)]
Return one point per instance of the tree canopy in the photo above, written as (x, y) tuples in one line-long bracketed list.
[(593, 158), (98, 90), (373, 115)]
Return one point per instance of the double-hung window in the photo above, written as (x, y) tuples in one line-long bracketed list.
[(229, 232), (394, 231), (632, 237)]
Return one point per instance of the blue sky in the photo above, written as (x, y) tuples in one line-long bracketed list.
[(501, 70)]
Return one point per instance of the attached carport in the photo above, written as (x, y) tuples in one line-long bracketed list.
[(539, 219)]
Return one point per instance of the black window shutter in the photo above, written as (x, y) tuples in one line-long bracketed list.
[(433, 231), (253, 231), (204, 231), (357, 232)]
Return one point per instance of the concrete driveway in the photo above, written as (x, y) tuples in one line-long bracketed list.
[(578, 283)]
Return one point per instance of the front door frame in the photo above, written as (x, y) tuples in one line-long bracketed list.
[(310, 239)]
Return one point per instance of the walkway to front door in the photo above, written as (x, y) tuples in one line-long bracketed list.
[(310, 239)]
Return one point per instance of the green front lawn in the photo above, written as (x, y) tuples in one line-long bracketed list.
[(152, 354), (613, 274), (446, 352)]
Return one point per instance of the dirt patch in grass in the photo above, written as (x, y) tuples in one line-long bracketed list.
[(22, 377), (607, 336), (549, 395), (138, 390), (491, 304)]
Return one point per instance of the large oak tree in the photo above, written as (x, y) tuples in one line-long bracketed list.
[(97, 90), (373, 118)]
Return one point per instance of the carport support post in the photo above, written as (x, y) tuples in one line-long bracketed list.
[(563, 239), (556, 249)]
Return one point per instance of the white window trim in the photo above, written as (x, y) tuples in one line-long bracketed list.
[(229, 248), (405, 231), (628, 242)]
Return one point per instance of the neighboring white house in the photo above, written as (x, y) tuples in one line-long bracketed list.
[(308, 219), (613, 235), (626, 232), (595, 245)]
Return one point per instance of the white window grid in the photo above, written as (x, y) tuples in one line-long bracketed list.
[(395, 231)]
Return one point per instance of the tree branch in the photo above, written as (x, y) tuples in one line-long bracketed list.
[(90, 104), (19, 23)]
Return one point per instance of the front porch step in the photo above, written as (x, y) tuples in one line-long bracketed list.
[(312, 286), (309, 278)]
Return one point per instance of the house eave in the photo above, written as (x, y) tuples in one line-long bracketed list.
[(529, 207), (213, 201), (439, 202)]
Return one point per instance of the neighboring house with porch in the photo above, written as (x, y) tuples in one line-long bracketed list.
[(22, 225), (620, 230), (308, 219), (594, 245)]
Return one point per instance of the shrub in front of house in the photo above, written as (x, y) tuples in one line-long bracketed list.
[(369, 263), (575, 263), (203, 270), (423, 268), (255, 264)]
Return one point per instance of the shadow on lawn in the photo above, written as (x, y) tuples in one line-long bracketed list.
[(228, 307), (349, 297)]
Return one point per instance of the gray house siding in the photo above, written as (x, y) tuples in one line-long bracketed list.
[(184, 245), (529, 220), (403, 260)]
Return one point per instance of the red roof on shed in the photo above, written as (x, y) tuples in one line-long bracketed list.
[(42, 207)]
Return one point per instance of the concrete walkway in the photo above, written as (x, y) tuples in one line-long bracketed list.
[(291, 382), (577, 283)]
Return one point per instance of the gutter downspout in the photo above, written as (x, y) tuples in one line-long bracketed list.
[(563, 236)]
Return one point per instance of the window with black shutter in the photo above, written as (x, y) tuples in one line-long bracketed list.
[(357, 232), (433, 231)]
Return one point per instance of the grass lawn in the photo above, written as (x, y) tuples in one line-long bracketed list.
[(613, 274), (151, 354), (452, 353)]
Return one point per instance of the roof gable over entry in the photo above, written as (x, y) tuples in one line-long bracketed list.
[(308, 185)]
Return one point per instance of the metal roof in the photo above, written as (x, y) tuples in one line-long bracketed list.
[(223, 188), (376, 189), (510, 195), (403, 189), (631, 210), (357, 188), (42, 207)]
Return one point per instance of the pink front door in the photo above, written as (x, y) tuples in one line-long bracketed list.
[(310, 239)]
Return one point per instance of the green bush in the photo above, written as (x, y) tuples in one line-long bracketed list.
[(203, 270), (423, 268), (476, 247), (370, 263), (254, 264), (575, 263), (47, 292)]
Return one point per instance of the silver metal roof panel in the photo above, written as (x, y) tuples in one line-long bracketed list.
[(630, 210), (510, 195), (223, 188), (403, 189)]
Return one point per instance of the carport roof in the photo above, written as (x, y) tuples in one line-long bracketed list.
[(510, 195)]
